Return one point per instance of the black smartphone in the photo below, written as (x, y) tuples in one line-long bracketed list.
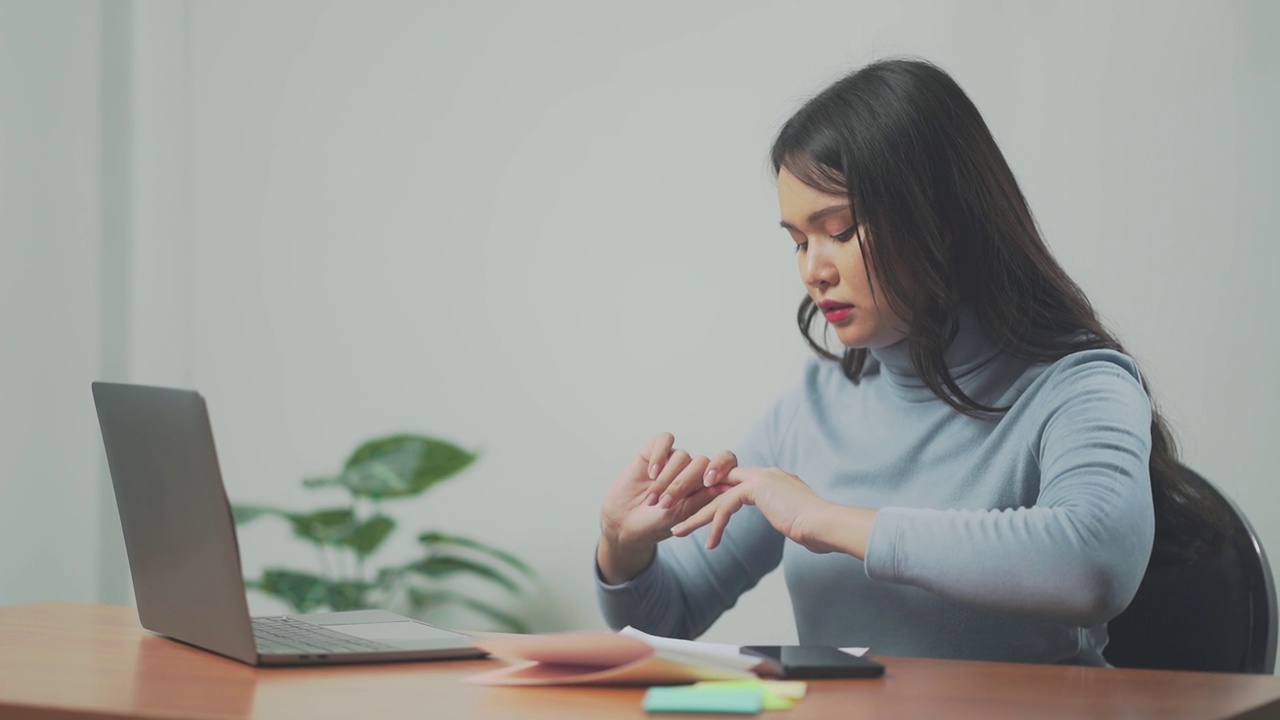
[(801, 662)]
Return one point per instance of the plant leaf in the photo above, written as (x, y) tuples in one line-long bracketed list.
[(507, 620), (438, 566), (244, 513), (432, 539), (402, 465), (369, 535), (302, 591), (328, 527), (374, 480), (422, 600), (388, 576), (322, 481), (347, 595)]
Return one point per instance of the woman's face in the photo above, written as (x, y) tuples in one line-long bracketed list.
[(829, 255)]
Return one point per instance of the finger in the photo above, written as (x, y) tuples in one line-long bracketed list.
[(676, 462), (686, 508), (693, 504), (686, 483), (698, 519), (739, 475), (657, 451), (728, 504), (632, 479), (719, 468)]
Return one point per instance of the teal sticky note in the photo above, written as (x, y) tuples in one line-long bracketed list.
[(690, 699)]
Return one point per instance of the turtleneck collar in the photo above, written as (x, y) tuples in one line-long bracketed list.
[(967, 353)]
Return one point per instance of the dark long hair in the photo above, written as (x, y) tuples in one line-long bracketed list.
[(948, 226)]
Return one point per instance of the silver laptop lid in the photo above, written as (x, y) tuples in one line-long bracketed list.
[(178, 529)]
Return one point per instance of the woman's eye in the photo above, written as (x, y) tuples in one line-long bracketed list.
[(798, 238), (847, 235)]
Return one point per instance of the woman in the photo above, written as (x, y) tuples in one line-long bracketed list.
[(980, 474)]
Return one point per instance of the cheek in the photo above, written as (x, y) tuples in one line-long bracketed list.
[(854, 269), (867, 277)]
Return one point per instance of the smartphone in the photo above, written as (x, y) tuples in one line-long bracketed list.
[(801, 662)]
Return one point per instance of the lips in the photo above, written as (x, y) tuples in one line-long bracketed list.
[(835, 312)]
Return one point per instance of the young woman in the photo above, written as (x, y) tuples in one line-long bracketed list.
[(980, 474)]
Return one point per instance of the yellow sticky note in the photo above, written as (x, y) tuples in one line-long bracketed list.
[(792, 689), (778, 694)]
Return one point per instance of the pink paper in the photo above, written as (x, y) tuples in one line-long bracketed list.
[(594, 658)]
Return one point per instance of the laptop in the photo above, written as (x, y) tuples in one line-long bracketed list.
[(185, 560)]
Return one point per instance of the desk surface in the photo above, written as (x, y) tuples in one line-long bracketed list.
[(63, 660)]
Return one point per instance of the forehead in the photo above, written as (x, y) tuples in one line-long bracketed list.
[(798, 201)]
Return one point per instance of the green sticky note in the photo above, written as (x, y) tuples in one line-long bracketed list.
[(702, 700), (778, 694)]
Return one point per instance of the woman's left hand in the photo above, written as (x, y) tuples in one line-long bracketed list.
[(791, 506)]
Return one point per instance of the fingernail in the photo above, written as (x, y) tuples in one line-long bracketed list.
[(708, 476), (651, 499), (666, 502), (653, 471)]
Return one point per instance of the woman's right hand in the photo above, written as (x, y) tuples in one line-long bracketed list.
[(660, 487)]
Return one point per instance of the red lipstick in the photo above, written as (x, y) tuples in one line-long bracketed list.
[(835, 312)]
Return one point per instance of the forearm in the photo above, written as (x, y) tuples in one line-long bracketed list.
[(685, 587), (648, 600), (837, 528), (1064, 564), (619, 562), (654, 599)]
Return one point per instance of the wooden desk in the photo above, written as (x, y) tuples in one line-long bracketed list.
[(63, 660)]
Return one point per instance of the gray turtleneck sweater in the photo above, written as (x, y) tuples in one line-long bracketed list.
[(1014, 539)]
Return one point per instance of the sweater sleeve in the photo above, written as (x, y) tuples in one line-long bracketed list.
[(688, 587), (1078, 554)]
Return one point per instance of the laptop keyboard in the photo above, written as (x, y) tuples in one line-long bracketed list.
[(279, 635)]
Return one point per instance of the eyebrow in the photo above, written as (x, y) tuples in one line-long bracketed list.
[(817, 215)]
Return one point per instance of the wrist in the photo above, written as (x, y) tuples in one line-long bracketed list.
[(838, 528), (618, 562)]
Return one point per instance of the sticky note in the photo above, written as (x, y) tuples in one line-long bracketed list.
[(793, 689), (693, 699), (790, 689), (778, 694)]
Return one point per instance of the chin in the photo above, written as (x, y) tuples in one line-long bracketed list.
[(855, 339)]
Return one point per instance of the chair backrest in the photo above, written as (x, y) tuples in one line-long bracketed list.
[(1215, 614)]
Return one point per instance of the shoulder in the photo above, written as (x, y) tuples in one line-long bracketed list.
[(1088, 387), (1091, 370)]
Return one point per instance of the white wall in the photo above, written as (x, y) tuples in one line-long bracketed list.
[(51, 276), (550, 233)]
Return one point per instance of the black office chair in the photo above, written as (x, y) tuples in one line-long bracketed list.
[(1216, 614)]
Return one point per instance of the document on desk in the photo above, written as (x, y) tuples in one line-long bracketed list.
[(629, 657)]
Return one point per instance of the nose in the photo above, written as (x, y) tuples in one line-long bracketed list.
[(817, 270)]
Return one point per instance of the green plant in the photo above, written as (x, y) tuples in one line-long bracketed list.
[(385, 469)]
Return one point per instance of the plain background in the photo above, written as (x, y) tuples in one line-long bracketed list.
[(547, 231)]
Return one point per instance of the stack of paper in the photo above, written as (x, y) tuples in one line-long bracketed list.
[(629, 657)]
